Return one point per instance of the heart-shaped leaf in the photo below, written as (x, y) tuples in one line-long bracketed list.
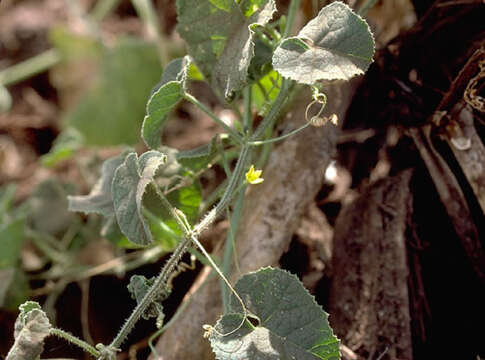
[(336, 45), (291, 324)]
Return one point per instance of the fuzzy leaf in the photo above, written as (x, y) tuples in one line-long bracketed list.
[(165, 97), (138, 287), (336, 45), (129, 184), (291, 324), (31, 328), (100, 199), (220, 39), (198, 158)]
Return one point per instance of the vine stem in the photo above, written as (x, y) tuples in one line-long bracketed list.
[(230, 247), (190, 236), (159, 283), (282, 137), (205, 109), (275, 110), (292, 11), (76, 341)]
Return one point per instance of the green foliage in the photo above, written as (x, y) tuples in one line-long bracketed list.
[(111, 112), (220, 38), (64, 147), (265, 91), (13, 283), (164, 99), (129, 183), (199, 158), (181, 191), (31, 328), (11, 240), (336, 45), (155, 197), (291, 325)]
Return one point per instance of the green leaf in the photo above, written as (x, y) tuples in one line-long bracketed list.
[(336, 45), (164, 99), (31, 328), (18, 290), (74, 46), (198, 158), (220, 39), (6, 278), (7, 195), (110, 113), (291, 324), (129, 184), (11, 240), (64, 147), (181, 191), (264, 94)]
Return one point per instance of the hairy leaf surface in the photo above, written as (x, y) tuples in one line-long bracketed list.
[(220, 39), (31, 328), (129, 183), (291, 324), (100, 199), (336, 45), (165, 97)]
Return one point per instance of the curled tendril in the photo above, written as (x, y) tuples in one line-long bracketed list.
[(318, 98)]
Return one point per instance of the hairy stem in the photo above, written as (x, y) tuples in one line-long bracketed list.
[(282, 137), (76, 341), (157, 286), (205, 109), (272, 115), (189, 236), (229, 246)]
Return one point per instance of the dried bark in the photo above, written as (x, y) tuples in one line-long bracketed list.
[(454, 123), (293, 176), (369, 302)]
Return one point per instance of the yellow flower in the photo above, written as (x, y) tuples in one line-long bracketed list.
[(254, 176)]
